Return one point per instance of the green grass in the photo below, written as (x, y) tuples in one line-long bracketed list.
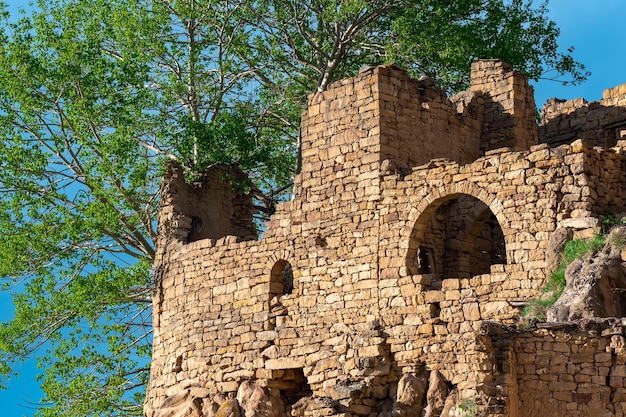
[(609, 220), (468, 407)]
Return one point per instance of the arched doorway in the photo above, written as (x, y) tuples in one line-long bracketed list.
[(457, 236)]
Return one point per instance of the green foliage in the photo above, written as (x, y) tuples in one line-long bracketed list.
[(95, 95), (555, 283), (103, 370), (468, 407), (442, 38), (618, 241), (311, 44), (76, 212), (609, 220), (205, 142)]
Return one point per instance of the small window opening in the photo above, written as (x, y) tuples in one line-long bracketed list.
[(320, 241), (435, 310), (424, 261), (178, 365), (614, 132), (281, 280)]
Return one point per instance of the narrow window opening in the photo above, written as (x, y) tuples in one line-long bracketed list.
[(178, 365), (424, 261), (195, 229), (281, 280), (287, 276), (435, 310)]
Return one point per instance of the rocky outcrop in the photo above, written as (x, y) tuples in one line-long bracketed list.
[(252, 400), (258, 401), (595, 284), (229, 408), (556, 244), (422, 395)]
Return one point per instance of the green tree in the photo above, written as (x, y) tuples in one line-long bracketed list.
[(313, 43), (95, 95), (440, 39)]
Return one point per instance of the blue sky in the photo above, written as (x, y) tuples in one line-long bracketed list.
[(593, 27)]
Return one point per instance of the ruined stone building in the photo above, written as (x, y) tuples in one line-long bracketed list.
[(391, 283)]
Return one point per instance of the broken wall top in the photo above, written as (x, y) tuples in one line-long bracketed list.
[(601, 123)]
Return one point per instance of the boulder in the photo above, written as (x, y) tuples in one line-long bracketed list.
[(184, 403), (436, 395), (450, 404), (556, 244), (229, 408), (258, 401), (411, 395)]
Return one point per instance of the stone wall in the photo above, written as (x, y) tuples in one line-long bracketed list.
[(572, 369), (212, 206), (602, 122), (509, 106), (374, 292)]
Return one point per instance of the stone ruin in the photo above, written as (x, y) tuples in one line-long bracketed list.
[(391, 283)]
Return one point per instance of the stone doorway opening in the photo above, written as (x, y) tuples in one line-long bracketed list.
[(292, 386), (456, 237)]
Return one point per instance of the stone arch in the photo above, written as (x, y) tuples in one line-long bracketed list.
[(280, 267), (483, 215), (281, 279), (280, 283)]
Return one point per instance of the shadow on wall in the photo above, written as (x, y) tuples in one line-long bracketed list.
[(456, 237), (563, 122)]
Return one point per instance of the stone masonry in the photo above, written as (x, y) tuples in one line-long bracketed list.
[(389, 285)]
